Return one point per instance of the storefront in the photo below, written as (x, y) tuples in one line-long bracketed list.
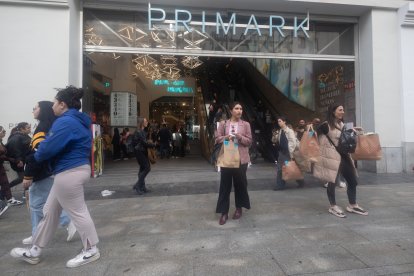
[(354, 53)]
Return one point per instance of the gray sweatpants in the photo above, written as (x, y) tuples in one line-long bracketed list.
[(67, 193)]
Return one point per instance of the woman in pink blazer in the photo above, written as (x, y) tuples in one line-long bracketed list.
[(238, 131)]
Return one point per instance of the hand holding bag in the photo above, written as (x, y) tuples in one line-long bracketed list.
[(229, 156), (309, 146), (291, 171), (368, 147)]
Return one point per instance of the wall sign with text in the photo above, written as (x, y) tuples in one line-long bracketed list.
[(123, 109)]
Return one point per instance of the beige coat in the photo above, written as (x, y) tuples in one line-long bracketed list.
[(328, 166), (293, 142)]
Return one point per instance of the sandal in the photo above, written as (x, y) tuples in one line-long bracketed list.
[(337, 211), (356, 210)]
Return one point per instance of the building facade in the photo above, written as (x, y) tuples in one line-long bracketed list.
[(43, 46)]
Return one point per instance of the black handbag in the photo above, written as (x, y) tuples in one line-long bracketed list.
[(347, 141)]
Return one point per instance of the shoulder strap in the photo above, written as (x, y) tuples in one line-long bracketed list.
[(330, 140)]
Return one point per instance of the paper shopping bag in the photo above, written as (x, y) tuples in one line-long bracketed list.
[(229, 156), (368, 147), (309, 146), (291, 171)]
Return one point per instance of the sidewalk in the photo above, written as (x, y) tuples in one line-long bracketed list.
[(285, 233)]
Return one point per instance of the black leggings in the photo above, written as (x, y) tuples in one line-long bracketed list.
[(346, 169)]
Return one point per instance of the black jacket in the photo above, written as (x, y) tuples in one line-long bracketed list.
[(18, 146), (139, 141), (35, 170), (165, 136)]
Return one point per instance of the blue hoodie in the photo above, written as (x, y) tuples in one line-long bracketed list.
[(68, 143)]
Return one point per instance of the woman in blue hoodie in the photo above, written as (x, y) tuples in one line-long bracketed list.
[(68, 144)]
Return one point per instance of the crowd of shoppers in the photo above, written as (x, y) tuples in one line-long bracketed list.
[(54, 165)]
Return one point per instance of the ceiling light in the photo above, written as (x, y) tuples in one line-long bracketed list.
[(191, 62)]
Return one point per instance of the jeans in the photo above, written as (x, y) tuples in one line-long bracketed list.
[(165, 150), (38, 193)]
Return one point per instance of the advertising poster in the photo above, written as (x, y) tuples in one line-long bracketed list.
[(263, 66), (280, 75), (335, 84), (301, 83)]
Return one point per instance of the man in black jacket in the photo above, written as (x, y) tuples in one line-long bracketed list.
[(165, 139)]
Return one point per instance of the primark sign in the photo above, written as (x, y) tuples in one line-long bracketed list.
[(183, 19)]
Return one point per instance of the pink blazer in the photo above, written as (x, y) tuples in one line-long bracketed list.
[(245, 142)]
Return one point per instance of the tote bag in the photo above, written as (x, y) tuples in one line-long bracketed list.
[(229, 156), (291, 171), (309, 146), (368, 147)]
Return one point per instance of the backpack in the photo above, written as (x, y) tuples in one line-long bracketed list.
[(347, 141)]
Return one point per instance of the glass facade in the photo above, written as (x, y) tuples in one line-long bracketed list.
[(131, 29)]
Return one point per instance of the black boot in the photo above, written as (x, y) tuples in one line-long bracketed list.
[(138, 189)]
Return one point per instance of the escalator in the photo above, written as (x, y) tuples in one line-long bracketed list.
[(261, 96), (256, 93)]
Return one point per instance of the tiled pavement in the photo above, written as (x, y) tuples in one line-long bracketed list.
[(174, 231)]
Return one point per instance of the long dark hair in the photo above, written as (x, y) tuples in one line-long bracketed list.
[(20, 126), (233, 104), (71, 96), (330, 116), (46, 116)]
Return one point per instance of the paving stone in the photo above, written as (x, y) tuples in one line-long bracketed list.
[(260, 263), (383, 253), (313, 259)]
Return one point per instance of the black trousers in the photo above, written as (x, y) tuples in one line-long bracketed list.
[(230, 177), (346, 169), (144, 168), (117, 152)]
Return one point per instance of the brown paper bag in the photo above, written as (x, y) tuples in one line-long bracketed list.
[(303, 163), (368, 147), (291, 171), (229, 156), (309, 146)]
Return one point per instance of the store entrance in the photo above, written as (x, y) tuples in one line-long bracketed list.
[(194, 96)]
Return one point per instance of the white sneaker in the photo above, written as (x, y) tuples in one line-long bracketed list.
[(71, 231), (13, 202), (24, 254), (342, 184), (82, 258), (28, 240)]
